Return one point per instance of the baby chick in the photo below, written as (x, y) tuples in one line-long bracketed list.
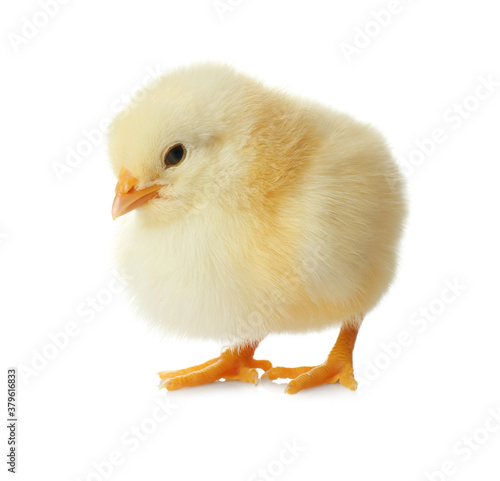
[(255, 212)]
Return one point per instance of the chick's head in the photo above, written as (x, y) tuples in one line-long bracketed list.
[(174, 148)]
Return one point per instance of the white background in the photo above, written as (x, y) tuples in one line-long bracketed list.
[(95, 398)]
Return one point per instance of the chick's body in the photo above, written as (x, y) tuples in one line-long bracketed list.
[(284, 215)]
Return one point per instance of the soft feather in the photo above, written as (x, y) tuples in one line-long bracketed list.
[(285, 216)]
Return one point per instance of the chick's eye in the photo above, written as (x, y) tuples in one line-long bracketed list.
[(175, 155)]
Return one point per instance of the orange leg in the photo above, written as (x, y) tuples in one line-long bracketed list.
[(233, 365), (337, 367)]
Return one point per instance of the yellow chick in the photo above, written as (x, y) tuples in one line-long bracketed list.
[(255, 212)]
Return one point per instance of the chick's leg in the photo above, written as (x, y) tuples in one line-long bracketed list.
[(235, 364), (337, 367)]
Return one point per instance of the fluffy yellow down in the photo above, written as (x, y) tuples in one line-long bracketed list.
[(285, 215)]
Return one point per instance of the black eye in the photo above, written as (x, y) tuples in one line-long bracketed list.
[(174, 155)]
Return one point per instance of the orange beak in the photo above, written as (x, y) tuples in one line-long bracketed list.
[(127, 198)]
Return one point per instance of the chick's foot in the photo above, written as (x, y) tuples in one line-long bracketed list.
[(337, 367), (231, 365)]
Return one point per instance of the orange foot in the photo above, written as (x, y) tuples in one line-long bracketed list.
[(337, 367), (231, 365)]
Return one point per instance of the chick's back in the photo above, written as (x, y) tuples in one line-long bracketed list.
[(331, 203)]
